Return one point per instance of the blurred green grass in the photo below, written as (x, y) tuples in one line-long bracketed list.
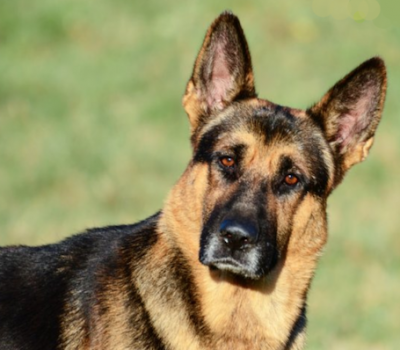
[(92, 132)]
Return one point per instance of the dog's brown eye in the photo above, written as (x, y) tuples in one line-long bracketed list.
[(291, 179), (227, 162)]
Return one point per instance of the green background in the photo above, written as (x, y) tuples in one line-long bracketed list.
[(92, 132)]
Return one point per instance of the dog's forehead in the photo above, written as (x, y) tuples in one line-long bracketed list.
[(264, 121)]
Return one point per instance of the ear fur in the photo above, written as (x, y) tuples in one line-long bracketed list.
[(222, 72), (350, 111)]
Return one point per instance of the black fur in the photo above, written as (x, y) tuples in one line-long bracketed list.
[(37, 282)]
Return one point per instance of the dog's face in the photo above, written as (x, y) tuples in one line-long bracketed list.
[(262, 161), (270, 169)]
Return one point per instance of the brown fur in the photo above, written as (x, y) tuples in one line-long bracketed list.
[(260, 315), (231, 311)]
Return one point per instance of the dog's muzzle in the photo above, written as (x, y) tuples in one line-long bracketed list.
[(236, 247)]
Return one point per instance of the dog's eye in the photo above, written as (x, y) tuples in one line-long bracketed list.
[(291, 180), (227, 162)]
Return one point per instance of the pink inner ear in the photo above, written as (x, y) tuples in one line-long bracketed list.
[(221, 80), (356, 120)]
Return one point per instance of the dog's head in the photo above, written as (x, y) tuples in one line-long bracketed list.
[(267, 170)]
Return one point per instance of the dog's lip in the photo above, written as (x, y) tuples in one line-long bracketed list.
[(228, 264), (220, 263)]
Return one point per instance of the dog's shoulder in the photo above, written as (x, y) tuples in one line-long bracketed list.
[(36, 283), (95, 242), (24, 269), (101, 242)]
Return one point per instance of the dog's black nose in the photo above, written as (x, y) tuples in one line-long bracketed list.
[(238, 234)]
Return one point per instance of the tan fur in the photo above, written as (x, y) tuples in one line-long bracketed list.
[(264, 312), (165, 317), (359, 153)]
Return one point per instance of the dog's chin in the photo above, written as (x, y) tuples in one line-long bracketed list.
[(233, 268)]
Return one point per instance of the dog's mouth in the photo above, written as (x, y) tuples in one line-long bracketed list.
[(234, 267), (247, 266), (251, 263)]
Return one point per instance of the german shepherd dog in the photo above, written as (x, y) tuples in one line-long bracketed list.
[(228, 261)]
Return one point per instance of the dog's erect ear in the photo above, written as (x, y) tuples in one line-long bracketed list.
[(222, 72), (349, 113)]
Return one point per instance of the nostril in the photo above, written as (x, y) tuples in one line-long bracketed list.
[(238, 234)]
